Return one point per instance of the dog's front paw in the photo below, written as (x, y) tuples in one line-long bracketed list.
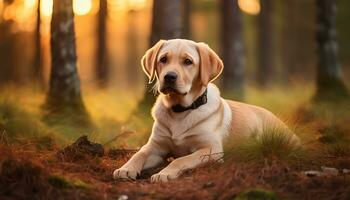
[(164, 176), (125, 173)]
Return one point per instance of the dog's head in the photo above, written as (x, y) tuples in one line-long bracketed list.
[(181, 67)]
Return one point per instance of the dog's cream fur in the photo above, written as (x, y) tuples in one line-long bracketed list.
[(197, 136)]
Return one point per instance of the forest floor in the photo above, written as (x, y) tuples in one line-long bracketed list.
[(31, 173), (43, 168)]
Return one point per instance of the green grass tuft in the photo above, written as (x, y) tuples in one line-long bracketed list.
[(58, 181), (81, 184), (256, 194), (62, 183), (273, 144)]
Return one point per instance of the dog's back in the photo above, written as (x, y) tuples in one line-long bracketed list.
[(248, 119)]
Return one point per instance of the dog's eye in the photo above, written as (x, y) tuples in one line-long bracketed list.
[(188, 61), (163, 59)]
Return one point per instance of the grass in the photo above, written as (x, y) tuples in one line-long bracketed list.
[(256, 194), (282, 101), (22, 116), (62, 183), (15, 122), (270, 161), (323, 129), (273, 144), (58, 181)]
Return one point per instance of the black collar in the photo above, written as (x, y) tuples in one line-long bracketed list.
[(201, 100)]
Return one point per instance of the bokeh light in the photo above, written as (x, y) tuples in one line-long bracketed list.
[(30, 3), (251, 7), (21, 12), (82, 7), (46, 7), (118, 8)]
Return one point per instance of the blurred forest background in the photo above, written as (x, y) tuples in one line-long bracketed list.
[(269, 48), (72, 67)]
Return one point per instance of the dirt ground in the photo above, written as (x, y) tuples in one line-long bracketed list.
[(29, 171)]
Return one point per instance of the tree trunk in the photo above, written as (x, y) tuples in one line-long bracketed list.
[(7, 48), (166, 20), (232, 49), (133, 56), (166, 24), (38, 75), (102, 68), (264, 71), (186, 19), (64, 81), (297, 40), (330, 85)]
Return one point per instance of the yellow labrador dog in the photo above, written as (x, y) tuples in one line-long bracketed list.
[(191, 120)]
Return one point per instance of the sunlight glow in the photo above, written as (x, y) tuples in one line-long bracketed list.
[(82, 7), (251, 7), (118, 8), (136, 4), (20, 12), (30, 3), (46, 7)]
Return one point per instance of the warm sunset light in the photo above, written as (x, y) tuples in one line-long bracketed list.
[(251, 7), (30, 3), (136, 4), (20, 12), (79, 119), (46, 7), (119, 7), (1, 6), (82, 7)]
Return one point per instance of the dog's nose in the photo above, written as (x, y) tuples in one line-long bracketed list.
[(170, 77)]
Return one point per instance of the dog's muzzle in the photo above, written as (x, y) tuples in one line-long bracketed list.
[(169, 84)]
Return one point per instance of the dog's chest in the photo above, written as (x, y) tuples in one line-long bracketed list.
[(187, 137), (181, 146)]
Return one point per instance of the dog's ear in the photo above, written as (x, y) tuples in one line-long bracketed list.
[(149, 60), (211, 65)]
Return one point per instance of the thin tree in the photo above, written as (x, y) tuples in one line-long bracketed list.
[(102, 68), (232, 49), (64, 88), (330, 85), (166, 20), (166, 24), (132, 48), (186, 19), (264, 70), (38, 60), (296, 39), (7, 47)]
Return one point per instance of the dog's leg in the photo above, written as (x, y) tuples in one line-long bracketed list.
[(175, 168), (145, 158)]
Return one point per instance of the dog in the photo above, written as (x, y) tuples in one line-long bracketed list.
[(191, 120)]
